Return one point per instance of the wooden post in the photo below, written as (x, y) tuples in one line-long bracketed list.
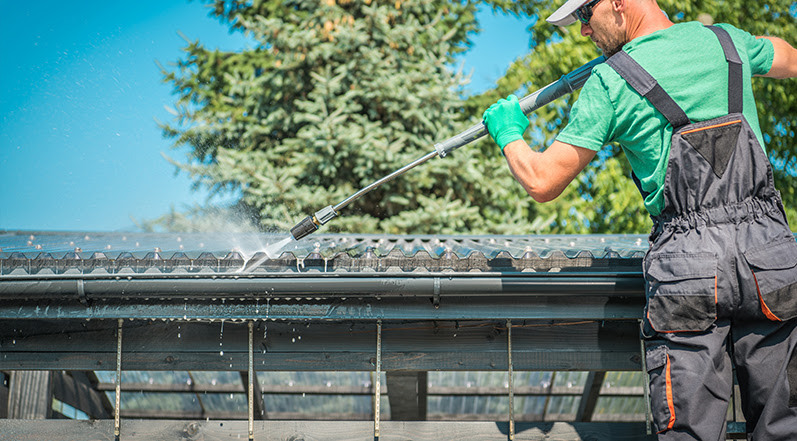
[(30, 395), (646, 383), (407, 393), (590, 395), (5, 381), (77, 389)]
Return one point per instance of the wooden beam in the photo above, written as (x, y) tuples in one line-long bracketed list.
[(260, 405), (406, 392), (141, 430), (536, 307), (423, 395), (279, 389), (74, 388), (30, 395), (351, 416), (242, 415), (4, 382), (589, 397), (320, 346), (94, 381)]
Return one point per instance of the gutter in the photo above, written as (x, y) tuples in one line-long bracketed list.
[(372, 285)]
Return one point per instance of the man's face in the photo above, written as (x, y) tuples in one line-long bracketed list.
[(604, 29)]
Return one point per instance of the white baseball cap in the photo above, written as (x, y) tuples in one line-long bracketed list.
[(565, 16)]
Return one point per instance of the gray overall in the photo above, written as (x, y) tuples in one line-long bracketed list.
[(721, 275)]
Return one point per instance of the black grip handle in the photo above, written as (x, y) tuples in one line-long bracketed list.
[(568, 83)]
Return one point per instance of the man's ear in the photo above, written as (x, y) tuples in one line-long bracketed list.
[(620, 5)]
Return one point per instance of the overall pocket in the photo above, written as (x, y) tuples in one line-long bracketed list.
[(661, 395), (681, 291), (775, 274)]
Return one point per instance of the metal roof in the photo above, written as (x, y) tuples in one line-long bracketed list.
[(30, 253)]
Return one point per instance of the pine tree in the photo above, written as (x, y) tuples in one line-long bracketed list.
[(334, 95)]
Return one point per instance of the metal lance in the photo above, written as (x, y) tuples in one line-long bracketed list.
[(568, 83)]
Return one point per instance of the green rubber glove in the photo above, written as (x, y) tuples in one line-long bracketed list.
[(505, 121)]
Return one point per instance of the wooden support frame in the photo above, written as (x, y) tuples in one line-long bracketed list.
[(493, 307), (415, 377), (30, 395), (408, 395), (77, 389), (345, 346), (589, 398), (4, 383), (146, 430), (259, 409)]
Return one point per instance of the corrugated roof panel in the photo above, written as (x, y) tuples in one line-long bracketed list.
[(25, 253), (192, 245)]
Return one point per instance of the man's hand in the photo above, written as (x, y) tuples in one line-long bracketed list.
[(505, 121)]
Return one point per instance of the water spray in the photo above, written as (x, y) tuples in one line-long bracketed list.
[(566, 84)]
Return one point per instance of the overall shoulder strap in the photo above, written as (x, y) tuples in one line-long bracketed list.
[(735, 96), (644, 84)]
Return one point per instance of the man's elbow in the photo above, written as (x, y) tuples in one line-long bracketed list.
[(543, 193), (543, 198)]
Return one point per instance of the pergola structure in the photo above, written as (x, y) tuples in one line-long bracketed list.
[(78, 310)]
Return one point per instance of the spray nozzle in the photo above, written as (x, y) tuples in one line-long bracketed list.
[(311, 223)]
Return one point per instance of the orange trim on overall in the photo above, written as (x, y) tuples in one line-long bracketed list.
[(670, 401), (711, 127), (764, 308), (715, 292)]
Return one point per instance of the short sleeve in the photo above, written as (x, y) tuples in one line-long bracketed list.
[(760, 51), (591, 119)]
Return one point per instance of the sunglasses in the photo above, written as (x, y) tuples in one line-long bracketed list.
[(584, 13)]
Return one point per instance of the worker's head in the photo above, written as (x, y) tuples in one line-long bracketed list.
[(609, 23)]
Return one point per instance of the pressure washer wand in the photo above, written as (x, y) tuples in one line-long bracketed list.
[(568, 83)]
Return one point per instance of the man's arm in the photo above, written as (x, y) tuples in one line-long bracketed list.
[(784, 64), (545, 175)]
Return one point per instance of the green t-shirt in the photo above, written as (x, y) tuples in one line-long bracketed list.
[(687, 61)]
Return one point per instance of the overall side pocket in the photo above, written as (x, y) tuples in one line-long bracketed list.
[(774, 270), (661, 394), (681, 291)]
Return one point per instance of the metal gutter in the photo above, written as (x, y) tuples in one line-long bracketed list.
[(361, 284)]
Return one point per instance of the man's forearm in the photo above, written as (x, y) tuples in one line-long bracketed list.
[(545, 175), (522, 161)]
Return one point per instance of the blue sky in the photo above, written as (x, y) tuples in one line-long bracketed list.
[(79, 146)]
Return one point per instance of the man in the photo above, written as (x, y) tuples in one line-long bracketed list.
[(721, 273)]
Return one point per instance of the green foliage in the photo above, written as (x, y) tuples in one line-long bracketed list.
[(605, 199)]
